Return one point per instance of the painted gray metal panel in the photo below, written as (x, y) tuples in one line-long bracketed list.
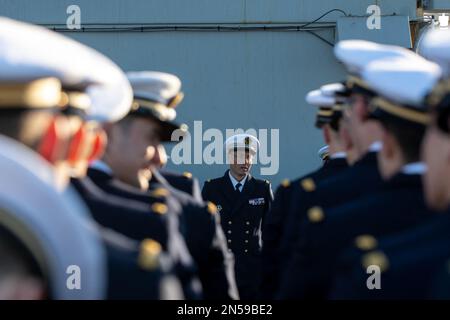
[(231, 80), (439, 4), (196, 11), (238, 80), (393, 30)]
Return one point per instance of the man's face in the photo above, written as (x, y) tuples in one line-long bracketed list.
[(353, 115), (240, 162), (135, 148), (436, 154), (362, 130)]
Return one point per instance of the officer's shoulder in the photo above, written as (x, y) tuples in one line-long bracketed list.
[(297, 182), (306, 183), (213, 181), (364, 252), (262, 182), (187, 176)]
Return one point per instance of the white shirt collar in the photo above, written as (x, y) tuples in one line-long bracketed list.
[(414, 168), (235, 182), (101, 166), (376, 146), (338, 155)]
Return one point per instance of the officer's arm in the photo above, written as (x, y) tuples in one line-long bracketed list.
[(294, 275), (222, 266), (214, 262), (205, 192), (346, 279), (269, 199), (271, 235)]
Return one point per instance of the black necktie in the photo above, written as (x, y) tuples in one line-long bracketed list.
[(238, 186)]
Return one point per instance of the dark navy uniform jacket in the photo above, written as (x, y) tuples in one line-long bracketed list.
[(348, 184), (199, 225), (138, 221), (184, 182), (280, 224), (398, 205), (126, 216), (242, 215), (127, 278), (413, 264), (357, 180)]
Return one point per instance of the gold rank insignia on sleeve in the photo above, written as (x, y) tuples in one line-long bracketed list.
[(149, 253), (160, 193), (159, 208), (187, 175), (285, 183), (366, 242), (308, 184), (375, 258), (212, 208), (315, 214)]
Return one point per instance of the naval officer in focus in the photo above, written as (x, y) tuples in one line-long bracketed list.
[(243, 202)]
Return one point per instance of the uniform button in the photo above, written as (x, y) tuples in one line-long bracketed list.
[(229, 240), (247, 232), (315, 214), (246, 241), (245, 250), (248, 222), (229, 222), (160, 208), (229, 231)]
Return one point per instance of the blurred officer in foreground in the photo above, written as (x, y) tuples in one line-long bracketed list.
[(280, 228), (184, 182), (243, 202), (159, 94), (396, 206), (133, 156), (413, 264), (361, 135), (42, 237), (156, 218), (313, 262), (44, 106), (436, 47), (360, 138)]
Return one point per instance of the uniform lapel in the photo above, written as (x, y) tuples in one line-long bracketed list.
[(249, 186), (227, 189)]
